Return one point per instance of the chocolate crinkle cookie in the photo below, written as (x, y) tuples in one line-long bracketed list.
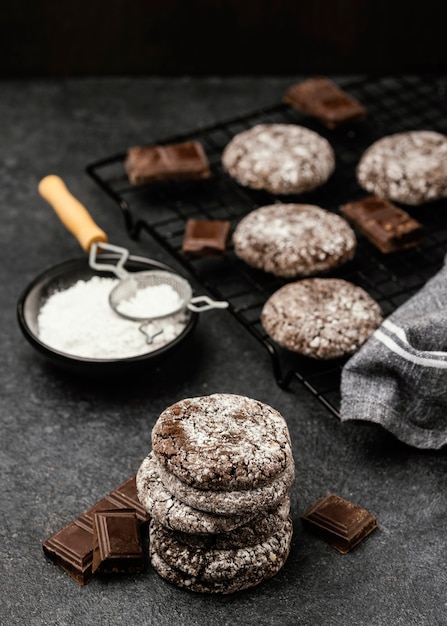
[(163, 506), (290, 240), (322, 318), (217, 486), (206, 569), (408, 167), (232, 501), (279, 158), (223, 442)]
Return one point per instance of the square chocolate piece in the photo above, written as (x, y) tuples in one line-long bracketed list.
[(126, 497), (171, 162), (386, 226), (339, 522), (117, 545), (71, 548), (206, 237), (323, 99)]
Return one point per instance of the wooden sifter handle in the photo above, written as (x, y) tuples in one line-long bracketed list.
[(73, 215)]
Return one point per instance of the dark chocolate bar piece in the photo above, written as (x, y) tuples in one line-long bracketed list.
[(125, 496), (87, 519), (72, 547), (171, 162), (339, 522), (206, 237), (386, 226), (117, 545), (323, 99)]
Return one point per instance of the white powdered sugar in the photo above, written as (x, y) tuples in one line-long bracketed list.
[(79, 321), (151, 301)]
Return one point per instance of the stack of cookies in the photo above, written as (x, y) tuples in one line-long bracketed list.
[(217, 487)]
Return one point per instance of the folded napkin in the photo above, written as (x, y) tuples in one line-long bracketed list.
[(399, 377)]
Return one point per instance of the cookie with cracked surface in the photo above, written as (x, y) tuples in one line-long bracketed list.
[(168, 510), (255, 531), (279, 158), (180, 544), (232, 502), (290, 240), (193, 583), (323, 318), (408, 167), (222, 442), (223, 571)]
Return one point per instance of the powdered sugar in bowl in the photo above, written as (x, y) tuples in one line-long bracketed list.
[(65, 317)]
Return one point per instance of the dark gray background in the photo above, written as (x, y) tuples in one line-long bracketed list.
[(223, 37), (67, 442)]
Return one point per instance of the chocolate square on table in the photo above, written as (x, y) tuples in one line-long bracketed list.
[(163, 163), (126, 497), (72, 547), (206, 237), (117, 547), (384, 224), (339, 522), (86, 519), (323, 99)]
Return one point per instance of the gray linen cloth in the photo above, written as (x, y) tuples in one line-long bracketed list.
[(399, 377)]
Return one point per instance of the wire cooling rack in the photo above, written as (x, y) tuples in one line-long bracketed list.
[(394, 104)]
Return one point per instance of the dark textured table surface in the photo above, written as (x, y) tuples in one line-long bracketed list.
[(68, 441)]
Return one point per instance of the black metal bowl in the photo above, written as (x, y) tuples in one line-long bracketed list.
[(61, 277)]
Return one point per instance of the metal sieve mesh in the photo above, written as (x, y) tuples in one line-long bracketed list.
[(129, 287)]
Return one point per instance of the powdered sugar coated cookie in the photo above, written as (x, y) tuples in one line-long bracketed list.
[(280, 158), (408, 167), (232, 501), (291, 240), (222, 442), (322, 318), (210, 570), (165, 508)]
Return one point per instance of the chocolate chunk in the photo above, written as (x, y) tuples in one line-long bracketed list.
[(72, 547), (172, 162), (339, 522), (323, 99), (386, 226), (117, 545), (126, 496), (86, 519), (206, 237)]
